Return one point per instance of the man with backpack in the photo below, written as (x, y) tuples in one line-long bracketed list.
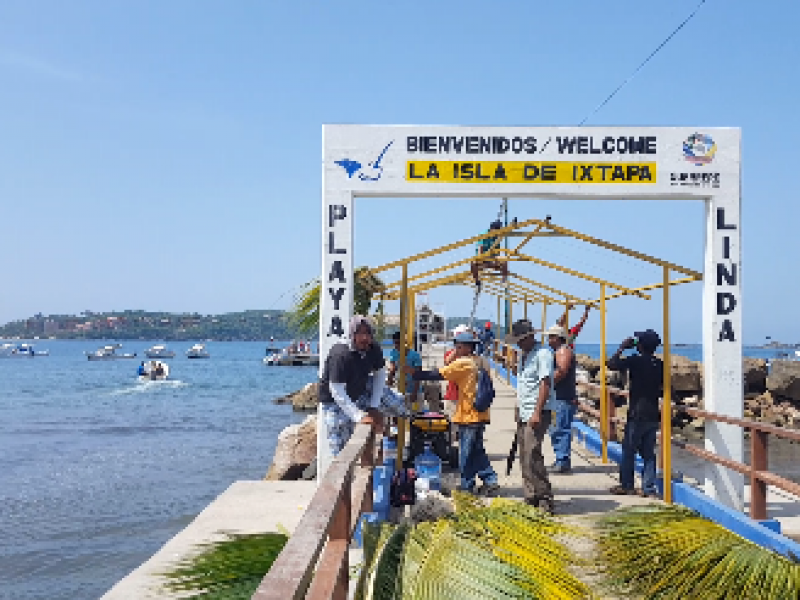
[(535, 401), (475, 393)]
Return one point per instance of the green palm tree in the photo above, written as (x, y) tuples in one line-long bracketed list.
[(304, 316)]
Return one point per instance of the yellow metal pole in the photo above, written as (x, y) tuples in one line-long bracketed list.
[(544, 318), (525, 307), (401, 365), (666, 408), (603, 392), (509, 355), (412, 328)]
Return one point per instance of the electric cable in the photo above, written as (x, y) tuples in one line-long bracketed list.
[(646, 60)]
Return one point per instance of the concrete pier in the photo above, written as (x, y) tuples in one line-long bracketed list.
[(245, 507)]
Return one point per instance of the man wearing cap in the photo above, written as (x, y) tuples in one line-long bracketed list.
[(566, 400), (463, 371), (535, 400), (646, 374), (350, 390)]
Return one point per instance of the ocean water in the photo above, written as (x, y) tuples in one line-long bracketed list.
[(98, 470)]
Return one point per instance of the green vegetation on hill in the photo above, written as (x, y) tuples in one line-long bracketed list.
[(139, 324)]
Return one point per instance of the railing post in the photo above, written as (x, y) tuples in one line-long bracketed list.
[(368, 461), (758, 488), (340, 532)]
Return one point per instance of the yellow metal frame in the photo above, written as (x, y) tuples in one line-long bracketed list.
[(513, 291)]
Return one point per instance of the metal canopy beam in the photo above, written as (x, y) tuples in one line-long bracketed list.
[(548, 264)]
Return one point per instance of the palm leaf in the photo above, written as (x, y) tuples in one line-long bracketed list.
[(669, 552), (230, 569), (383, 580), (304, 315)]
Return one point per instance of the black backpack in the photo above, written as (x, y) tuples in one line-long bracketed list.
[(401, 491)]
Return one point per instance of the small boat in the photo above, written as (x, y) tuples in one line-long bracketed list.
[(20, 351), (154, 370), (159, 352), (284, 359), (108, 353), (198, 351)]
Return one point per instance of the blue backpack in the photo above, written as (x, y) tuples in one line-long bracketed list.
[(484, 392)]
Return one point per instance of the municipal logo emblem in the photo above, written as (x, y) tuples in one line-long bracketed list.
[(699, 149)]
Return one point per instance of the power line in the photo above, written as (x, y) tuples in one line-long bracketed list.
[(646, 60)]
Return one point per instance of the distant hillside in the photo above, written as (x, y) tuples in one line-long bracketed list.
[(256, 325), (143, 325)]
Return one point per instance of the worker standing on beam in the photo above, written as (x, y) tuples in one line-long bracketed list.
[(487, 245)]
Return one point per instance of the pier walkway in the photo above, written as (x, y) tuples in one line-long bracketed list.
[(583, 492)]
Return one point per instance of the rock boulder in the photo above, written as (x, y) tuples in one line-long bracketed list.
[(295, 451), (755, 375), (784, 380), (302, 400), (588, 363)]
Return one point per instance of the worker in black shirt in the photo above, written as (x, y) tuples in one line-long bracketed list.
[(352, 384), (646, 376)]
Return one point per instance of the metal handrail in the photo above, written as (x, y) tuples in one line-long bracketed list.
[(757, 470), (314, 563)]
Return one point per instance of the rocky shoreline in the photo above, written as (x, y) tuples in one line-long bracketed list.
[(771, 394)]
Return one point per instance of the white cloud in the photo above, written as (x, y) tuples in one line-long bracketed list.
[(38, 67)]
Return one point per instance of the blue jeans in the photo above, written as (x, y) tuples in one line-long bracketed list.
[(640, 436), (472, 459), (561, 432)]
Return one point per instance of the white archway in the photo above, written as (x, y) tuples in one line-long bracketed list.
[(603, 163)]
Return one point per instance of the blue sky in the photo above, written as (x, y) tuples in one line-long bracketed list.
[(165, 155)]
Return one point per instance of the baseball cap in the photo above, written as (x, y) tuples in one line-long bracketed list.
[(520, 330), (648, 338), (556, 330), (465, 337)]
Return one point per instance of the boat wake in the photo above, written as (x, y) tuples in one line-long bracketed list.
[(142, 387)]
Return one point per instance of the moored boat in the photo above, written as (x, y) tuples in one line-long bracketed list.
[(159, 351), (20, 351), (198, 351), (108, 353)]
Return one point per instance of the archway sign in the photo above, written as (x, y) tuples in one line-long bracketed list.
[(597, 163)]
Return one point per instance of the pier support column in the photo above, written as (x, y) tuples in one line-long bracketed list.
[(722, 344)]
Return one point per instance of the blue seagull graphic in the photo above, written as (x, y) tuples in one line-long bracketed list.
[(353, 167)]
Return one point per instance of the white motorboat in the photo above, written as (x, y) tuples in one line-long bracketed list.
[(284, 359), (159, 352), (198, 351), (108, 353), (153, 370), (21, 351)]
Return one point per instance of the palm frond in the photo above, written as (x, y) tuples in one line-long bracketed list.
[(230, 569), (304, 315), (670, 552)]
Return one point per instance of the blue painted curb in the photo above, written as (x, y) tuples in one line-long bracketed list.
[(764, 533)]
